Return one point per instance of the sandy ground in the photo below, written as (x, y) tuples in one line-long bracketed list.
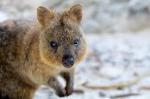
[(117, 67)]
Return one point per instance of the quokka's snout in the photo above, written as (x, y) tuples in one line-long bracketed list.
[(68, 60)]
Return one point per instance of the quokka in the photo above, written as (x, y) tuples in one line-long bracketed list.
[(35, 53)]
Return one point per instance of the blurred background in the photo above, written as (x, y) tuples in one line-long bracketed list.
[(99, 15), (117, 31)]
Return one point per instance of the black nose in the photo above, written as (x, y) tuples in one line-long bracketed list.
[(68, 60)]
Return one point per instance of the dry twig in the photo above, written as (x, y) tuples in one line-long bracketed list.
[(124, 95), (117, 85)]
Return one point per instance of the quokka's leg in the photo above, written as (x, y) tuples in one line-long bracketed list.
[(69, 78), (19, 93), (4, 96), (55, 84)]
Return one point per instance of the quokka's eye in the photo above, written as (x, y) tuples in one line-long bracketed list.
[(53, 44), (76, 43)]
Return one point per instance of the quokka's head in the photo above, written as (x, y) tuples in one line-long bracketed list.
[(61, 39)]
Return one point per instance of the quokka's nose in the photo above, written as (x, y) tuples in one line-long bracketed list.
[(68, 60)]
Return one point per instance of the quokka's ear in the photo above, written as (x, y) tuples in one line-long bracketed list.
[(76, 13), (44, 15)]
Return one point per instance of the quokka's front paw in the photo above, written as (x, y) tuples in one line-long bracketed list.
[(69, 91), (61, 93), (65, 92)]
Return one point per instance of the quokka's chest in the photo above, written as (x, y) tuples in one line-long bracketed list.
[(39, 73)]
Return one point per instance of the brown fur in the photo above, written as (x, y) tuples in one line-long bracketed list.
[(26, 58)]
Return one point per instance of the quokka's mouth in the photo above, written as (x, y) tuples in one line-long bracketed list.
[(67, 66)]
